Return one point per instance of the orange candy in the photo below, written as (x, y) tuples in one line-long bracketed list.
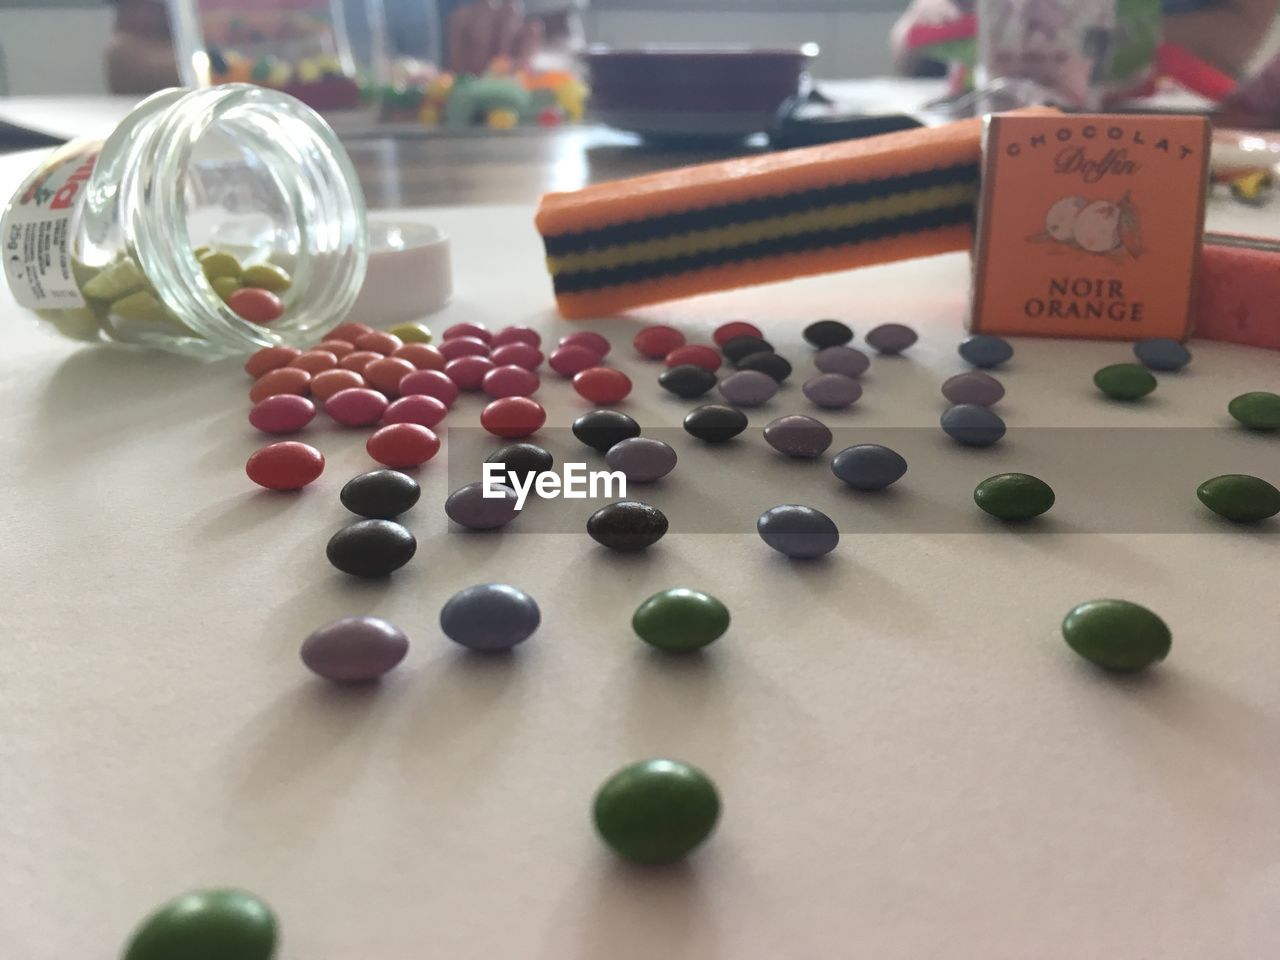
[(283, 380), (403, 445), (268, 359), (422, 355), (339, 348), (256, 305), (350, 332), (386, 374), (359, 360), (379, 342), (325, 385), (315, 361)]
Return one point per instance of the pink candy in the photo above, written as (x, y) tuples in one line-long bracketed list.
[(423, 410), (356, 407), (463, 347), (479, 331), (429, 383), (516, 334), (468, 372), (572, 359), (518, 354), (510, 381), (283, 413)]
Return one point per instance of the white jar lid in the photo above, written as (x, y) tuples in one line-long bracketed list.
[(409, 275)]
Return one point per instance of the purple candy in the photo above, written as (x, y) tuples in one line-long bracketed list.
[(973, 387), (641, 459), (798, 436), (748, 388), (469, 507), (842, 360), (355, 649), (891, 338), (832, 391)]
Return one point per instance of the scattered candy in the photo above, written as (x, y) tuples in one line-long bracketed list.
[(601, 429), (224, 287), (386, 374), (350, 332), (832, 391), (403, 445), (379, 341), (282, 414), (430, 383), (380, 494), (422, 410), (1117, 635), (627, 526), (847, 361), (476, 330), (339, 348), (1162, 353), (891, 338), (267, 276), (1124, 381), (315, 361), (469, 507), (680, 620), (468, 372), (573, 359), (1240, 497), (594, 342), (973, 387), (687, 380), (868, 466), (972, 426), (457, 347), (741, 347), (355, 649), (256, 305), (206, 925), (1014, 496), (696, 354), (517, 355), (985, 351), (522, 459), (1258, 410), (799, 532), (516, 334), (655, 342), (510, 381), (287, 465), (281, 380), (827, 333), (513, 417), (798, 436), (268, 359), (656, 812), (423, 356), (734, 329), (768, 363), (217, 264), (358, 360), (748, 388), (602, 385), (641, 459), (715, 423), (356, 407), (411, 332), (490, 617), (371, 548)]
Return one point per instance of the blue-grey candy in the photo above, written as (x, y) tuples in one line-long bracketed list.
[(986, 351), (748, 388), (800, 532), (1162, 353), (798, 436), (642, 459), (832, 391), (891, 338), (490, 617), (355, 649), (974, 386), (469, 507), (972, 425), (843, 360), (868, 466)]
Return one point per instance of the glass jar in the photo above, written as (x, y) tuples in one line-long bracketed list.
[(105, 239)]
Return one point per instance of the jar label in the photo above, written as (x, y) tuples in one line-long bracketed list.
[(35, 232)]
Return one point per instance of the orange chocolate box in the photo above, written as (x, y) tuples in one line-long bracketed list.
[(1090, 226)]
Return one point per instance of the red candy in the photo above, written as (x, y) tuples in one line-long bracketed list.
[(283, 380), (706, 357), (359, 360), (510, 381), (402, 445), (468, 372), (256, 305), (518, 355), (657, 341), (513, 417), (430, 383), (379, 341), (282, 413), (268, 359), (356, 407), (479, 331), (287, 465), (350, 332), (339, 348), (585, 338), (315, 361), (737, 328), (419, 408), (422, 355), (386, 374), (457, 347), (572, 359), (516, 334), (325, 385), (602, 385)]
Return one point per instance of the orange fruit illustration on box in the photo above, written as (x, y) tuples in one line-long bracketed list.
[(1095, 226)]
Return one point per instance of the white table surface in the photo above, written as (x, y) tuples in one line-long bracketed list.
[(912, 763)]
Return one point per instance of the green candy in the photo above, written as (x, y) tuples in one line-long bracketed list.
[(655, 811), (219, 264), (1117, 634), (680, 620), (1257, 411), (1240, 497), (1014, 496), (142, 306), (225, 286), (114, 281), (267, 276), (206, 925), (1125, 381), (411, 332)]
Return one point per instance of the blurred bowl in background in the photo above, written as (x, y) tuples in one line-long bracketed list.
[(695, 92)]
